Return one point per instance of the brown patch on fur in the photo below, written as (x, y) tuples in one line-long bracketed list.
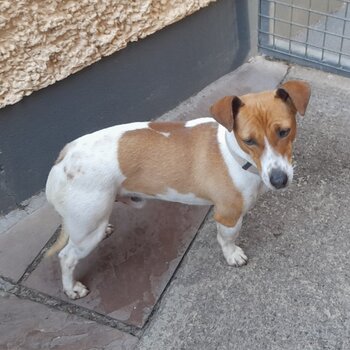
[(225, 111), (230, 215), (62, 154), (188, 161), (299, 92)]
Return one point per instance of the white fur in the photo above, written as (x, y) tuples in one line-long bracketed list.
[(96, 155), (199, 121), (247, 183), (187, 198), (85, 202), (272, 160), (226, 236), (166, 134)]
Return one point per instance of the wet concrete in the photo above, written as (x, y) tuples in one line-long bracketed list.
[(128, 271)]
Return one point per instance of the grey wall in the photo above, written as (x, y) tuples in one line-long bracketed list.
[(138, 83)]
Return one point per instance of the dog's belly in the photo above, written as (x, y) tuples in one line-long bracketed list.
[(169, 195)]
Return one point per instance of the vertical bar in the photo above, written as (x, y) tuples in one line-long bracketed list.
[(259, 23), (343, 32), (264, 39), (325, 30), (290, 26), (307, 30), (274, 26)]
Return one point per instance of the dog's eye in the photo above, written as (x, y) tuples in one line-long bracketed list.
[(250, 142), (282, 133)]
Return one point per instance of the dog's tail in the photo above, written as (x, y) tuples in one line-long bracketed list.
[(59, 244)]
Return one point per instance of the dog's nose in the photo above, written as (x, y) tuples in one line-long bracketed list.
[(278, 178)]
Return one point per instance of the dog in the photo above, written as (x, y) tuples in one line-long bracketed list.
[(225, 161)]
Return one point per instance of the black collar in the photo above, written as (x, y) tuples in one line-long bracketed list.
[(245, 165)]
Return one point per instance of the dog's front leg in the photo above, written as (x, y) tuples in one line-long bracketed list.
[(226, 236)]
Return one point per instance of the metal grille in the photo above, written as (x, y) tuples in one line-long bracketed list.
[(310, 32)]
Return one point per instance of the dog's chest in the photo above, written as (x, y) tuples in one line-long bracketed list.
[(250, 187)]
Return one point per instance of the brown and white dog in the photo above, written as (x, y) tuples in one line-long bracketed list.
[(226, 162)]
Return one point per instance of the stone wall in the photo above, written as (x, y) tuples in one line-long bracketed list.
[(42, 42)]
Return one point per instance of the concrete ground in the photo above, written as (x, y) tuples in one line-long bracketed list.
[(293, 294)]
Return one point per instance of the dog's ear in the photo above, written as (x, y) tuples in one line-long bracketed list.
[(299, 93), (225, 110)]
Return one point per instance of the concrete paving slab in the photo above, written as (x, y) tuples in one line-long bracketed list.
[(294, 293), (27, 207), (23, 241), (128, 271), (26, 325)]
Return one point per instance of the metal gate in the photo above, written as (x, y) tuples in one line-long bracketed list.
[(310, 32)]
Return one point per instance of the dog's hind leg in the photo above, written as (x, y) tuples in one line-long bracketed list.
[(86, 225), (75, 251)]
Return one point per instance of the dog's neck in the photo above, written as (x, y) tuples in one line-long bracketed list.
[(241, 157)]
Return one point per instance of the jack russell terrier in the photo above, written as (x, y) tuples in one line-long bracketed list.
[(226, 162)]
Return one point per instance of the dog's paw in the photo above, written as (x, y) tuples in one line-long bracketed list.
[(235, 256), (109, 230), (78, 291)]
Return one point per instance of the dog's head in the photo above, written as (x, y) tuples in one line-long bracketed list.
[(264, 126)]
